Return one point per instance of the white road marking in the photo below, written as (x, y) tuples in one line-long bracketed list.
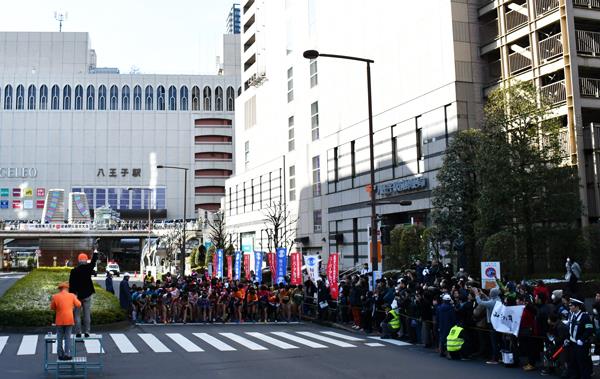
[(123, 343), (28, 345), (3, 341), (154, 343), (272, 341), (222, 346), (374, 344), (243, 341), (392, 341), (343, 336), (326, 339), (93, 347), (300, 340), (186, 344)]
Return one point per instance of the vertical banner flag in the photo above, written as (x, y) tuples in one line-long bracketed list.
[(215, 262), (332, 274), (247, 266), (296, 276), (312, 266), (238, 265), (281, 264), (258, 259), (220, 263), (229, 267), (272, 266)]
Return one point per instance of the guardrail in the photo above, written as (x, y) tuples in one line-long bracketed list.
[(550, 47), (592, 4), (555, 92), (588, 43)]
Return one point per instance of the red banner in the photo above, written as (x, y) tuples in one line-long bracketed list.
[(247, 266), (296, 276), (272, 265), (229, 267), (332, 274), (215, 263)]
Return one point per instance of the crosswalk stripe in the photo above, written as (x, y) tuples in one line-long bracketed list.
[(123, 343), (393, 342), (326, 339), (343, 336), (272, 341), (243, 341), (374, 344), (28, 345), (93, 347), (186, 344), (154, 343), (300, 340), (3, 341), (222, 346)]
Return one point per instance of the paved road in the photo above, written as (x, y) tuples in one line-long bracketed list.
[(7, 279), (249, 351)]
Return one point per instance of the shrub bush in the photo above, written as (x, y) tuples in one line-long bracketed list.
[(27, 302)]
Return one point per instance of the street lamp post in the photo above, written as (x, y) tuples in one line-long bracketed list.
[(149, 195), (314, 54), (184, 212)]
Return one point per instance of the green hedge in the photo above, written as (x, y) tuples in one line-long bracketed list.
[(27, 302)]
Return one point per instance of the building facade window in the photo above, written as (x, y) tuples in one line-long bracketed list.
[(230, 99), (292, 175), (114, 98), (8, 95), (31, 98), (247, 152), (137, 98), (195, 98), (316, 176), (102, 98), (67, 97), (314, 120), (353, 158), (55, 97), (183, 98), (317, 221), (78, 98), (314, 79), (44, 97), (290, 84), (291, 134), (149, 98), (160, 98), (418, 143), (336, 165), (125, 98), (172, 98), (90, 96), (20, 96), (219, 99), (207, 98)]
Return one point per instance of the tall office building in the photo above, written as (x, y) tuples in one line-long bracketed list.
[(233, 20)]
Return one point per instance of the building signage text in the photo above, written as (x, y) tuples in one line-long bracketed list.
[(123, 172), (400, 186), (18, 172)]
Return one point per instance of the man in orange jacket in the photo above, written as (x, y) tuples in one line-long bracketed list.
[(63, 303)]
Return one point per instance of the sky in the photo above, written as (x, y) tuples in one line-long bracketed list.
[(156, 36)]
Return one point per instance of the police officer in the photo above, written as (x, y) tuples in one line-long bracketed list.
[(391, 325), (580, 333), (455, 341)]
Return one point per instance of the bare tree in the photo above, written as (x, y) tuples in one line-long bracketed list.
[(217, 230), (280, 226), (171, 241)]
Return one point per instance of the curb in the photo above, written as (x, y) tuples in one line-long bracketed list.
[(44, 329)]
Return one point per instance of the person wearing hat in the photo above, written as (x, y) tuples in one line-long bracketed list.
[(63, 304), (80, 283), (581, 331), (445, 316), (391, 324)]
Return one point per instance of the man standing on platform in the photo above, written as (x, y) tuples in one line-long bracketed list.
[(80, 283)]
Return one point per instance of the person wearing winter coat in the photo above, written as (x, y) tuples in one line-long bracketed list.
[(489, 305), (446, 319)]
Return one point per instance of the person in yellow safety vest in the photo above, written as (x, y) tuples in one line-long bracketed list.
[(455, 342), (391, 324)]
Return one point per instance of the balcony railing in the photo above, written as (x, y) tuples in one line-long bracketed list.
[(515, 19), (494, 72), (489, 31), (592, 4), (589, 87), (517, 61), (545, 6), (555, 92), (550, 47), (588, 43)]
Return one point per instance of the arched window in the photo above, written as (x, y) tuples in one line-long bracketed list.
[(102, 98), (78, 98), (31, 97), (206, 98), (137, 98), (160, 98), (67, 97), (172, 98), (183, 98), (91, 97), (114, 98), (125, 98), (195, 98), (44, 97), (55, 97), (219, 99), (149, 98), (20, 97), (8, 94), (230, 99)]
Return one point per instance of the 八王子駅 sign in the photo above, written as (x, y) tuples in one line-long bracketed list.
[(18, 172), (401, 186)]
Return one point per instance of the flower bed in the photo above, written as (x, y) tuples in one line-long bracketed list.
[(27, 302)]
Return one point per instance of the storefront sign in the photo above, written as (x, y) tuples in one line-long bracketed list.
[(41, 192), (16, 204), (18, 172), (4, 192), (401, 186), (3, 204), (122, 172)]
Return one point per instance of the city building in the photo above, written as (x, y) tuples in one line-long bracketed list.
[(302, 131), (67, 124), (233, 20)]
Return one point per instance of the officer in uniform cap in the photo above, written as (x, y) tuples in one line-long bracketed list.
[(581, 331)]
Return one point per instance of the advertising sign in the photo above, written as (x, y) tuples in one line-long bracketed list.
[(4, 192), (296, 274), (16, 204), (16, 192), (39, 204), (40, 192), (27, 192), (489, 272), (3, 204), (27, 204), (258, 259), (247, 266), (220, 263), (332, 274), (238, 265), (312, 266), (281, 264), (229, 267)]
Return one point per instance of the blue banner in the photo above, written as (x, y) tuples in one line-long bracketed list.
[(237, 265), (258, 259), (281, 264), (220, 263)]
